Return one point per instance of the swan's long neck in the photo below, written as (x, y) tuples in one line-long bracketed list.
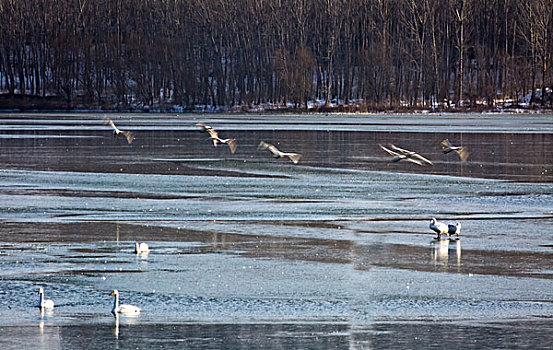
[(115, 303)]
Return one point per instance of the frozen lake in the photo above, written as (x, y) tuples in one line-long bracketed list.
[(248, 251)]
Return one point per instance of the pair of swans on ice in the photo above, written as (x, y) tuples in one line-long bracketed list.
[(445, 229)]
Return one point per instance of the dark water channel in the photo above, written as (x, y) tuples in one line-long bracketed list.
[(59, 143), (248, 251)]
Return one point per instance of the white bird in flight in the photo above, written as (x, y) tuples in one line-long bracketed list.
[(128, 134), (447, 147), (294, 157), (403, 154), (214, 136)]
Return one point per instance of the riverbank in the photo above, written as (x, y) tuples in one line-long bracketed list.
[(32, 103)]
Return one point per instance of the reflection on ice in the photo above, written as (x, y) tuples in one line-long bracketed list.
[(458, 251), (124, 320), (49, 337), (45, 312), (116, 325), (440, 251), (117, 232), (142, 256)]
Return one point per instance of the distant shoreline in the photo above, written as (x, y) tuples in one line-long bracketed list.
[(14, 103)]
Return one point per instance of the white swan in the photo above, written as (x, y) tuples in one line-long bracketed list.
[(404, 154), (439, 227), (447, 147), (141, 248), (454, 229), (124, 308), (128, 134), (294, 157), (44, 304), (410, 154), (214, 136)]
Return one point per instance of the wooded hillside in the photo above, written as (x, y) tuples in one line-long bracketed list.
[(378, 53)]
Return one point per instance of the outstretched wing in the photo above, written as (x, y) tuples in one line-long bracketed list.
[(110, 122), (418, 162), (418, 156), (463, 154), (129, 135), (445, 144), (212, 133), (447, 147), (203, 126), (265, 145), (390, 152), (401, 150), (411, 154), (294, 157), (231, 145)]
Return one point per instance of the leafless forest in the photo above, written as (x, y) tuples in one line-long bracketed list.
[(371, 53)]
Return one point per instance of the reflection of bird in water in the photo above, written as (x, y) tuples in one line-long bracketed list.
[(128, 134), (441, 251), (403, 154), (214, 136), (141, 248), (123, 308), (116, 328), (454, 229), (44, 304), (294, 157), (447, 147), (439, 227), (458, 252)]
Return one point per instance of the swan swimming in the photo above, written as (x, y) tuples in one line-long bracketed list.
[(141, 248), (44, 304), (123, 308)]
